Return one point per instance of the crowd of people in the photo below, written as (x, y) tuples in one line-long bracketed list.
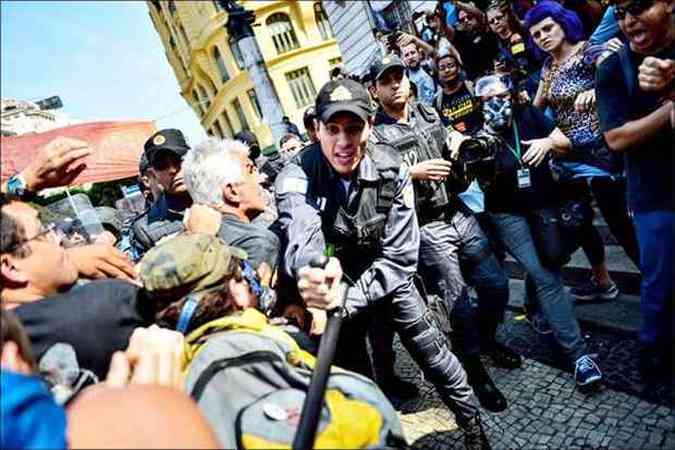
[(500, 128)]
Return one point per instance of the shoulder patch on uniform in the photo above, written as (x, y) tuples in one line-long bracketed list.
[(297, 185), (409, 196)]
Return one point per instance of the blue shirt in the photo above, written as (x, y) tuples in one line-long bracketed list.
[(30, 416), (426, 87)]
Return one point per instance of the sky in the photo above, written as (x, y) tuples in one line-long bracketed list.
[(103, 58)]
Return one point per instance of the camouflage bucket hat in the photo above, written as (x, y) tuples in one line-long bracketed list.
[(188, 263)]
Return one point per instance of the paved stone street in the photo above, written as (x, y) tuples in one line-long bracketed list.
[(546, 411)]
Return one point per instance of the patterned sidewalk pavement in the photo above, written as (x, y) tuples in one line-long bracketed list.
[(546, 411)]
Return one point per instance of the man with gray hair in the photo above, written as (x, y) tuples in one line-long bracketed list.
[(219, 174)]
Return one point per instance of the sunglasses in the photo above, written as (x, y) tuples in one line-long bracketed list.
[(635, 8)]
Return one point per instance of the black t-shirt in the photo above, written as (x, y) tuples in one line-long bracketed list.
[(96, 319), (461, 110), (478, 52), (650, 166), (504, 195), (260, 244)]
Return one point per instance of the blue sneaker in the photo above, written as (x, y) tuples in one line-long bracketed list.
[(586, 371)]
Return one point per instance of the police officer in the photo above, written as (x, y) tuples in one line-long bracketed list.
[(449, 231), (164, 151), (352, 198)]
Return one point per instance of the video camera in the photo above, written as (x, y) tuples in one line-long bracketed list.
[(476, 158)]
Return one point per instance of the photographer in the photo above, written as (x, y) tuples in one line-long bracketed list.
[(521, 201)]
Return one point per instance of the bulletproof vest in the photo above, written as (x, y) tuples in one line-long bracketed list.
[(355, 230), (156, 223), (421, 139)]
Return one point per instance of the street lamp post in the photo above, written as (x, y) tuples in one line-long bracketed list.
[(240, 29)]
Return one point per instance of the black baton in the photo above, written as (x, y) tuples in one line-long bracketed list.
[(311, 408)]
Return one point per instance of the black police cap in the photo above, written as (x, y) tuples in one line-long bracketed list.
[(343, 96), (170, 139)]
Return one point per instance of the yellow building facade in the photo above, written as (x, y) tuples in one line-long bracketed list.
[(295, 39)]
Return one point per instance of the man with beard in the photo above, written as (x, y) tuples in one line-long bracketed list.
[(474, 41), (448, 230), (426, 86), (635, 93), (164, 151), (456, 105)]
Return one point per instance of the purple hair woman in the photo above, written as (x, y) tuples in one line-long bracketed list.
[(567, 86)]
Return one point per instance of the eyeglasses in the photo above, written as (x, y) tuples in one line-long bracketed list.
[(448, 67), (635, 8), (495, 20), (50, 232)]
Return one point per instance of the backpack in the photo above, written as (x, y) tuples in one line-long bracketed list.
[(250, 379)]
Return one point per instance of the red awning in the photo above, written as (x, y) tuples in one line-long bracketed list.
[(117, 148)]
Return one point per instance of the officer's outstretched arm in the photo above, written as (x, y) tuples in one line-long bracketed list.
[(397, 263), (300, 220)]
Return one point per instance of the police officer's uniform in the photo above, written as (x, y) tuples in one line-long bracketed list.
[(373, 228), (449, 232), (165, 216)]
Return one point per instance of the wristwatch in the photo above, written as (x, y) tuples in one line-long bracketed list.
[(16, 187)]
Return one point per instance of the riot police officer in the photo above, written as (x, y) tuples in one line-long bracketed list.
[(348, 196), (449, 231), (164, 151)]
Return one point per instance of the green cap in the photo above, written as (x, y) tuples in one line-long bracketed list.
[(188, 263)]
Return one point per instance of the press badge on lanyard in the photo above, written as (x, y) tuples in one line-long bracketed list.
[(523, 174), (524, 180)]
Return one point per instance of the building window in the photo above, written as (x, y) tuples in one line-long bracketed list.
[(333, 62), (253, 98), (283, 34), (172, 7), (236, 53), (198, 103), (322, 21), (220, 63), (219, 130), (240, 114), (302, 87), (205, 100), (216, 4)]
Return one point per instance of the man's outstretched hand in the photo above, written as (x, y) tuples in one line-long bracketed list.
[(56, 164)]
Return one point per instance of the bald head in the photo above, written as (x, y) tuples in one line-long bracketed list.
[(137, 416)]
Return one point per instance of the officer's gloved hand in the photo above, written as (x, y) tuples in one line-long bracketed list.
[(320, 287)]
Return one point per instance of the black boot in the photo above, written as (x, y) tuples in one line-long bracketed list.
[(488, 395), (474, 435), (502, 356)]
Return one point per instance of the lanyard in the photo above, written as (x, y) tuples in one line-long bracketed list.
[(516, 135)]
